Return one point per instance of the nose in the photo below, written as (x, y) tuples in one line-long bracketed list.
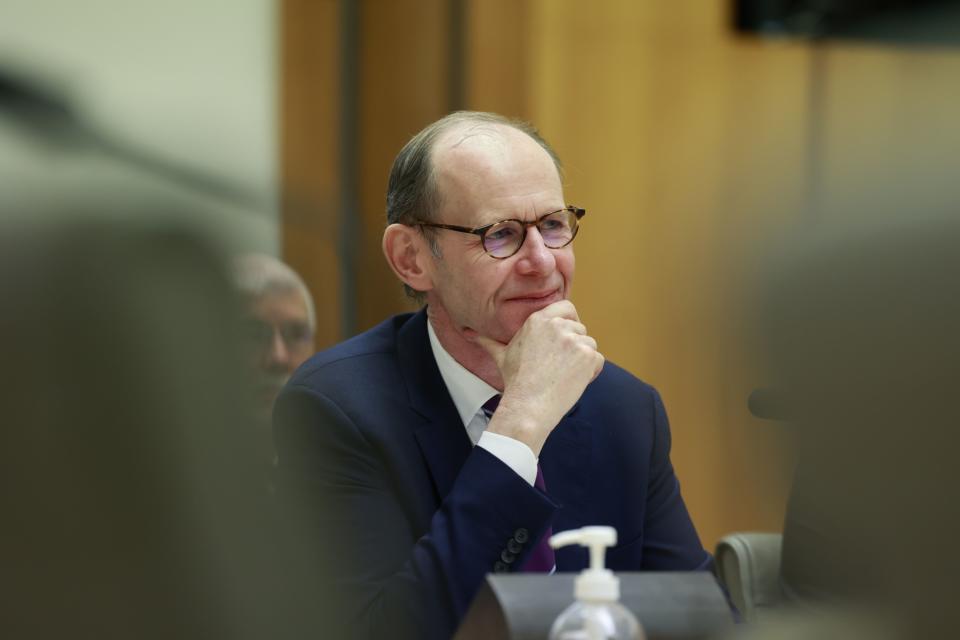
[(535, 258), (278, 355)]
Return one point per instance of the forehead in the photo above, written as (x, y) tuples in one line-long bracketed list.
[(482, 171), (283, 305)]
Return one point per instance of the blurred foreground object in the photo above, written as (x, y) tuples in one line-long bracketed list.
[(133, 496), (860, 327), (49, 116)]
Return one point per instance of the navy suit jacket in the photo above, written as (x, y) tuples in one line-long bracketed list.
[(409, 517)]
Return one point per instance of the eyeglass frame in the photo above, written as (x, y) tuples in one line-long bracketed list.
[(482, 231), (293, 334)]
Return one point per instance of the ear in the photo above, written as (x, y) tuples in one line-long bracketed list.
[(408, 255)]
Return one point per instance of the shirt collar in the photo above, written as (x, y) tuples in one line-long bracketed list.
[(467, 390)]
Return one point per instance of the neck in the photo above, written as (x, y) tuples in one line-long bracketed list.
[(457, 343)]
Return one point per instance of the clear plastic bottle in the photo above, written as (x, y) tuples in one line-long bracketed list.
[(597, 613)]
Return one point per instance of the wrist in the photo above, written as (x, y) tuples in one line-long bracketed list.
[(519, 424)]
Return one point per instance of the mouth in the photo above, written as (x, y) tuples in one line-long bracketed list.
[(269, 389), (538, 297)]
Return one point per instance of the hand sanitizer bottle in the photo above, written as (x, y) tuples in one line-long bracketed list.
[(597, 613)]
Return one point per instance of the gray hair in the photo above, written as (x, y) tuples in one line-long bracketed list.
[(257, 274), (412, 194)]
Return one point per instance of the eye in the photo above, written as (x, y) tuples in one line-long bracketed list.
[(295, 333), (501, 233), (258, 331)]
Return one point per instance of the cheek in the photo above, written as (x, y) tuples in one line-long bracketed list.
[(303, 352), (566, 266), (498, 282)]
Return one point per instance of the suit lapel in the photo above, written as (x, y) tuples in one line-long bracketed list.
[(442, 439)]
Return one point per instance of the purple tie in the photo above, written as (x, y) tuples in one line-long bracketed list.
[(541, 558)]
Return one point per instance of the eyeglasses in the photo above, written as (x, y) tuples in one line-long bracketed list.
[(293, 334), (504, 238)]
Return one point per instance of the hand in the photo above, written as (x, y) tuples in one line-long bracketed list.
[(545, 369)]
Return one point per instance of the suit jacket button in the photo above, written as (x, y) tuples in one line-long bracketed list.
[(521, 535), (507, 557), (513, 546), (500, 567)]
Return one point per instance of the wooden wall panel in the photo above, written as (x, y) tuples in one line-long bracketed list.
[(403, 87), (497, 74), (309, 154)]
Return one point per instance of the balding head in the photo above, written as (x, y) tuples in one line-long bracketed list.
[(413, 194), (475, 164)]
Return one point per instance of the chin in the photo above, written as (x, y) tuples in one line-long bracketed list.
[(505, 324), (508, 327)]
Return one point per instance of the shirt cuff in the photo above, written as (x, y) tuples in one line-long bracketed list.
[(512, 453)]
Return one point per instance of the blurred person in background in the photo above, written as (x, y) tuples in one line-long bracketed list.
[(281, 321)]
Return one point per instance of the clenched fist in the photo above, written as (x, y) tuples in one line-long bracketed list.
[(545, 369)]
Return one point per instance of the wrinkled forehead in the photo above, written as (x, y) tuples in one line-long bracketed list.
[(478, 163), (484, 147), (467, 136)]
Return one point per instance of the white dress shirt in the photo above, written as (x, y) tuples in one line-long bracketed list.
[(469, 393)]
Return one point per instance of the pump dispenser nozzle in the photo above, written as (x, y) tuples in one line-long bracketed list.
[(596, 583), (597, 614)]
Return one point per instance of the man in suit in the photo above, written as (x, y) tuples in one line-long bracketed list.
[(446, 444)]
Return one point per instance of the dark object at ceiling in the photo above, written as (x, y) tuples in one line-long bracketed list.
[(930, 22)]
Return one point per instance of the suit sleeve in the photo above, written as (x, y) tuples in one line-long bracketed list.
[(671, 542), (383, 579)]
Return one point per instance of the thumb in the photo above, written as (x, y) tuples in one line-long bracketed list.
[(492, 347)]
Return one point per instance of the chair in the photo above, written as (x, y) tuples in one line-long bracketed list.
[(748, 563)]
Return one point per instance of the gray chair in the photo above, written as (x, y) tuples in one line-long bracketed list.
[(748, 563)]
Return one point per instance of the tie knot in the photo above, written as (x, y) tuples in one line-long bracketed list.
[(491, 405)]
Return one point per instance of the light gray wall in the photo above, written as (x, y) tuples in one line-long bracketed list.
[(194, 81)]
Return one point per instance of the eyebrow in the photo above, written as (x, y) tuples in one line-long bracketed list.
[(516, 217)]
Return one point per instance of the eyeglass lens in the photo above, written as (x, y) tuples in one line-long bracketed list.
[(504, 239), (292, 333)]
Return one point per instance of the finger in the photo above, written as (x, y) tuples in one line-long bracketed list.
[(565, 325), (492, 347), (600, 361), (560, 309), (589, 341), (577, 327)]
